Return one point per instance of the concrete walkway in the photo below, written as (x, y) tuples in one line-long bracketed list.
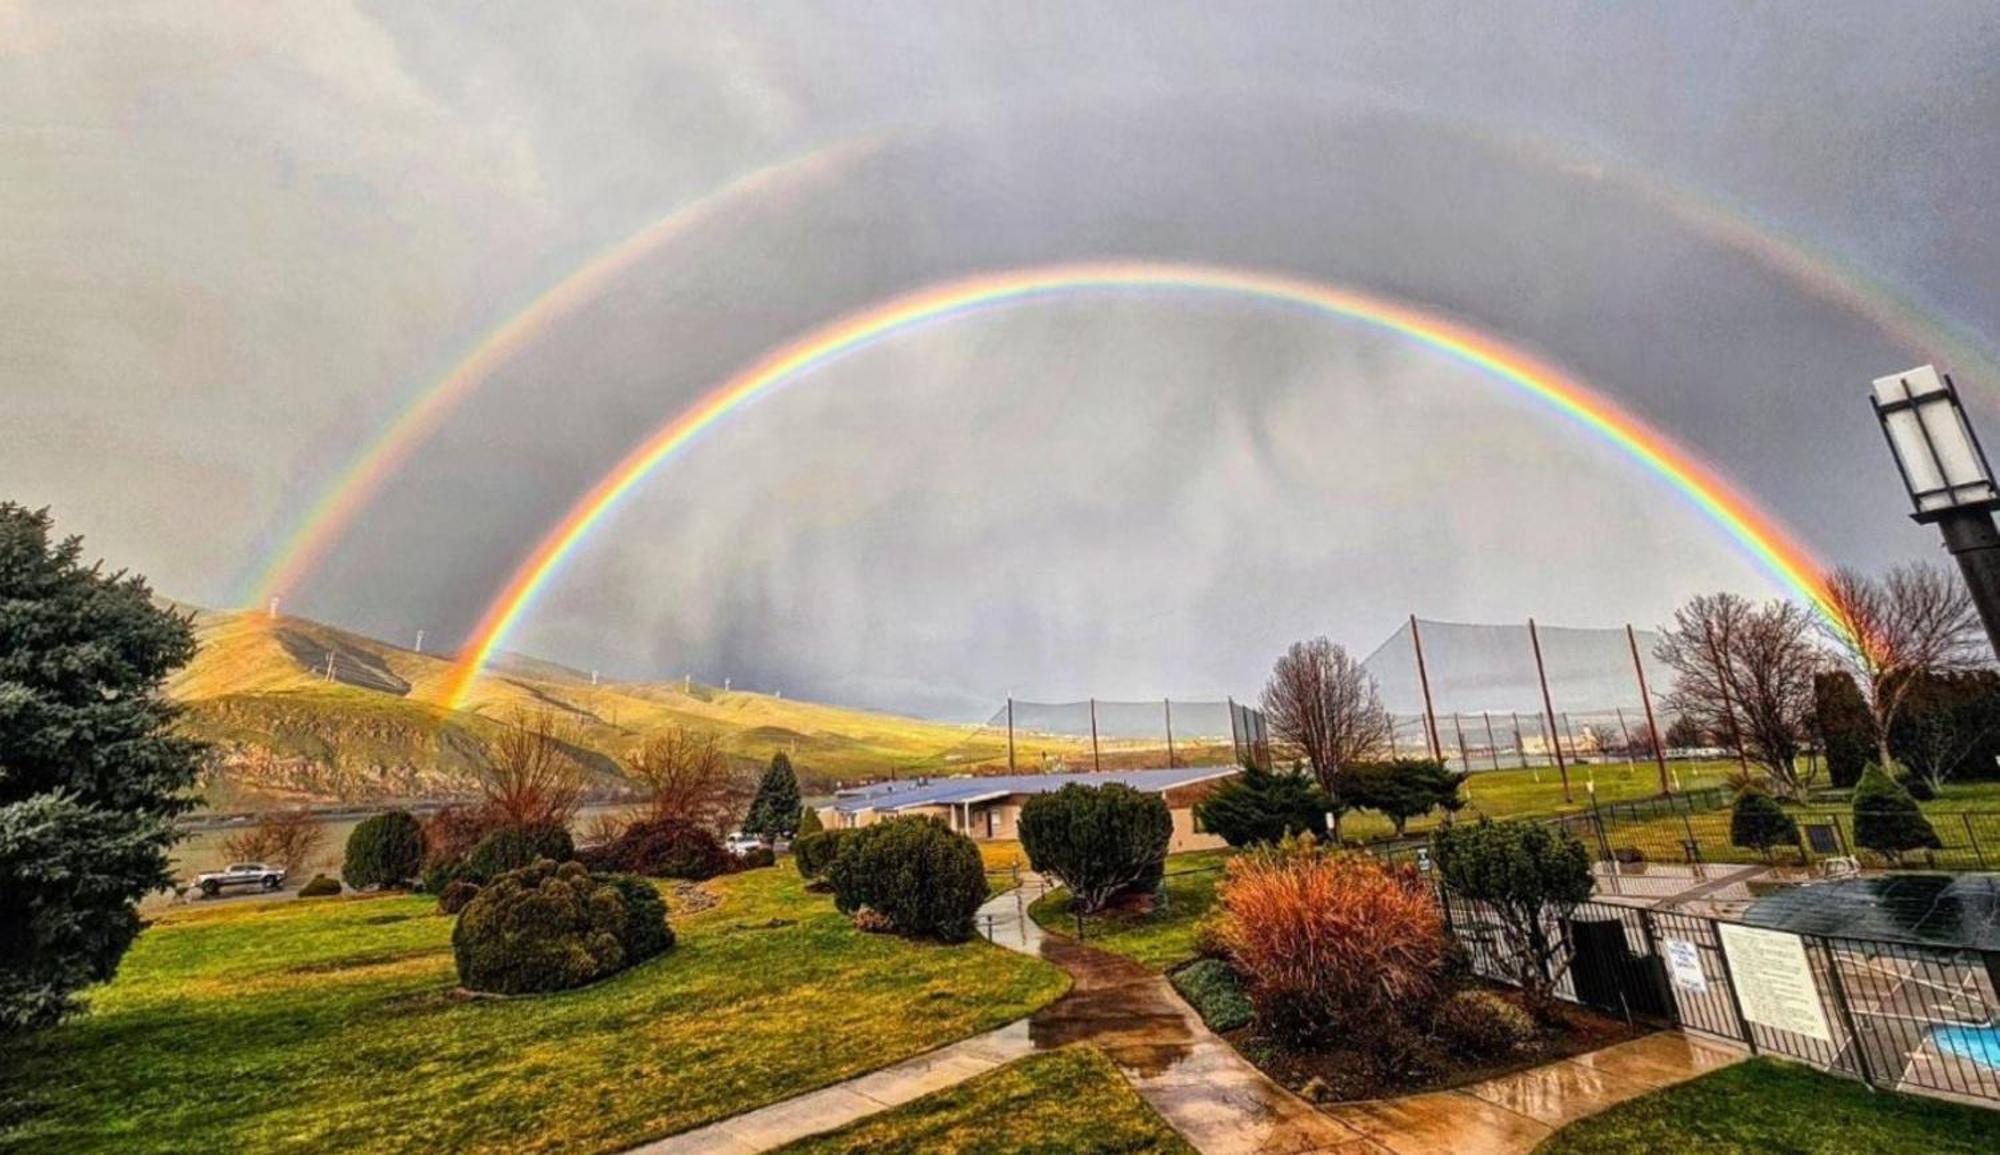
[(1218, 1101)]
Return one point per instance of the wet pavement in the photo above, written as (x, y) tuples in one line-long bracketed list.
[(1218, 1101)]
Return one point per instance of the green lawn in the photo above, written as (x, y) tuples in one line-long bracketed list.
[(1767, 1106), (1161, 938), (1071, 1100), (331, 1025), (1971, 839)]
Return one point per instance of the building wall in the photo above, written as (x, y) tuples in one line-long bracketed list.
[(1006, 814)]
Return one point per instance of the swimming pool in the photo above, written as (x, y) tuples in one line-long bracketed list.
[(1980, 1044)]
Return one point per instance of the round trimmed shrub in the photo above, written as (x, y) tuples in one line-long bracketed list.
[(1887, 820), (813, 853), (666, 848), (915, 872), (1758, 823), (386, 851), (757, 858), (550, 928), (1479, 1024), (513, 847), (320, 887), (646, 931), (1097, 840), (455, 895)]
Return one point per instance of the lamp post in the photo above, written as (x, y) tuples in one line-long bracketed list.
[(1949, 482)]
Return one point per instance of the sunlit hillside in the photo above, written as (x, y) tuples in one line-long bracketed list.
[(304, 711)]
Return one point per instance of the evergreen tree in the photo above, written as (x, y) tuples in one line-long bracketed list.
[(91, 775), (774, 813), (1403, 789), (1758, 823), (1846, 728), (1262, 806), (1887, 819), (809, 822)]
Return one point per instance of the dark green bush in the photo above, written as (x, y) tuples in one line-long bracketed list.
[(1262, 806), (513, 847), (1531, 876), (1214, 991), (646, 931), (1886, 819), (665, 848), (456, 894), (1758, 823), (549, 928), (756, 858), (320, 887), (1096, 840), (1479, 1024), (1402, 789), (809, 822), (814, 853), (915, 872), (386, 851)]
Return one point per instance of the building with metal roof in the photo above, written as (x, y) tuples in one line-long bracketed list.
[(990, 807)]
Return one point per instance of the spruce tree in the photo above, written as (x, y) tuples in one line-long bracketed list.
[(1887, 820), (1262, 806), (91, 774), (774, 813)]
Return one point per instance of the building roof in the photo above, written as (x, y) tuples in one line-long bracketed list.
[(958, 791)]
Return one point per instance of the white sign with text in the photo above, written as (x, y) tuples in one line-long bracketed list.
[(1774, 980)]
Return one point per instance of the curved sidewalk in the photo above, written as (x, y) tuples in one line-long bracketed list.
[(1218, 1101)]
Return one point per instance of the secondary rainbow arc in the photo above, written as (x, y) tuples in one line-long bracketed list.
[(1772, 546)]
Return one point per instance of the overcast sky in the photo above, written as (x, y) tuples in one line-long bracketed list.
[(237, 240)]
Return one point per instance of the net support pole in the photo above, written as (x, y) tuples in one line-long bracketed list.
[(1010, 733), (1235, 739), (1424, 681), (1169, 704), (1520, 748), (1631, 763), (1548, 706), (1492, 743), (1646, 697), (1459, 729), (1096, 762)]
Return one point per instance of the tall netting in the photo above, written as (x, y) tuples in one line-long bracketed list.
[(1026, 737), (1486, 704)]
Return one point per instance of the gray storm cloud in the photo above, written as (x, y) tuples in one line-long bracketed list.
[(238, 241)]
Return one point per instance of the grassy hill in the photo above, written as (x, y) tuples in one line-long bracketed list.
[(301, 711)]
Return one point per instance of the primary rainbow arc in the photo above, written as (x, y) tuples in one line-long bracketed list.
[(1774, 548)]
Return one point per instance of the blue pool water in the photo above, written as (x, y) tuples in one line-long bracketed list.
[(1980, 1044)]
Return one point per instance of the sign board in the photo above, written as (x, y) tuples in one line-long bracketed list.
[(1684, 962), (1774, 980)]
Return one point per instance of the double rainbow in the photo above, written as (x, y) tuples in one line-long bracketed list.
[(1769, 544)]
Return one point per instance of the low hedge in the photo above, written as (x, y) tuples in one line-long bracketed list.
[(550, 928), (1211, 987), (813, 853), (915, 872), (320, 887), (664, 848)]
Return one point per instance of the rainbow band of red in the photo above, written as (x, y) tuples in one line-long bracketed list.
[(1774, 548)]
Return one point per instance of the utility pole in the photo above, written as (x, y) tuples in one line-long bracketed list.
[(1548, 704), (1169, 704), (1652, 731), (1424, 681), (329, 665), (1096, 763), (274, 608), (420, 641)]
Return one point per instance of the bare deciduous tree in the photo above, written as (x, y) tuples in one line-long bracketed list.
[(1320, 700), (1746, 671), (1916, 619), (532, 776), (289, 838), (686, 775)]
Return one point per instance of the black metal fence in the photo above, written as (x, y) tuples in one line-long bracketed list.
[(1895, 1015)]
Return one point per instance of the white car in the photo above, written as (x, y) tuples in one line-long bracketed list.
[(240, 874), (740, 844)]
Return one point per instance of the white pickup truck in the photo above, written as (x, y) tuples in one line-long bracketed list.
[(239, 874)]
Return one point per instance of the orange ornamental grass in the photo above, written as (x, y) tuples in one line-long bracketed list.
[(1330, 943)]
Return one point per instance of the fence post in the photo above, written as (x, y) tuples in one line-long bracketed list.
[(1974, 839), (1653, 956), (1846, 1015), (1729, 981)]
